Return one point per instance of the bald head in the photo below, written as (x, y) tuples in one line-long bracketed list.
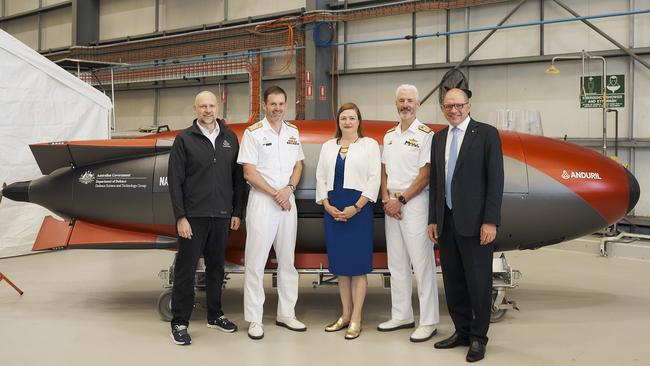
[(205, 107), (206, 94), (455, 106), (456, 94)]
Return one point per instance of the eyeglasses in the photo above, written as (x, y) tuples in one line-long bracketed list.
[(458, 106)]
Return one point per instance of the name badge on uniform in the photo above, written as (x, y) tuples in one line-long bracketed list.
[(267, 144), (412, 143), (293, 141)]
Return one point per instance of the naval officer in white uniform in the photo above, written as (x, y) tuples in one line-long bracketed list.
[(404, 192), (271, 155)]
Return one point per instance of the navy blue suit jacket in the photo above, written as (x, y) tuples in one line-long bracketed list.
[(477, 185)]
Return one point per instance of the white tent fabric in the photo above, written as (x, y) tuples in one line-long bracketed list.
[(39, 102)]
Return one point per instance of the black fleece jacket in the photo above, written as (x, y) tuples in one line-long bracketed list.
[(205, 180)]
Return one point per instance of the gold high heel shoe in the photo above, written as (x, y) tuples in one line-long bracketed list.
[(337, 325), (354, 330)]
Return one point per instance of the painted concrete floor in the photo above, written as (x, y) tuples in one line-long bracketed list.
[(98, 308)]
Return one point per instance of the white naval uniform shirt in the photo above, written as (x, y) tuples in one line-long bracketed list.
[(273, 154), (211, 136), (405, 153)]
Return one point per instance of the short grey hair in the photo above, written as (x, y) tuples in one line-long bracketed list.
[(408, 87)]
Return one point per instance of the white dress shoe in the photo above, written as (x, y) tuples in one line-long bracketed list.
[(291, 323), (393, 324), (423, 333), (255, 331)]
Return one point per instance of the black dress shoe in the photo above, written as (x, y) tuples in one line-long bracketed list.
[(454, 341), (476, 351)]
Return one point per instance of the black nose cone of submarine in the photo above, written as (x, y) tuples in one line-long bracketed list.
[(18, 191), (635, 190)]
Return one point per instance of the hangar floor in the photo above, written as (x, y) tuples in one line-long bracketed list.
[(98, 307)]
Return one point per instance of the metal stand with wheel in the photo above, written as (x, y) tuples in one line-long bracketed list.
[(503, 278), (3, 277), (164, 303), (623, 237)]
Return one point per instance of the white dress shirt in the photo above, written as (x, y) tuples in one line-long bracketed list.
[(405, 153), (211, 136), (273, 154), (362, 168), (462, 127)]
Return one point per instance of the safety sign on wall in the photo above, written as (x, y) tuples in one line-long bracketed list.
[(591, 93)]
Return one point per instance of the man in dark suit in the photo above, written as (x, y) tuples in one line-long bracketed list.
[(464, 211)]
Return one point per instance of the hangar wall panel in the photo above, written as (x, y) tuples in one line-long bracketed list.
[(505, 42), (526, 87), (18, 6), (56, 28), (375, 94), (175, 107), (133, 109), (459, 42), (24, 29), (120, 18), (567, 37), (514, 87), (238, 103), (430, 50), (52, 2), (279, 63), (642, 102), (383, 53), (250, 8), (642, 25), (181, 13), (642, 174)]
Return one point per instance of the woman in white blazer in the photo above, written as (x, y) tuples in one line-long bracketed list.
[(347, 184)]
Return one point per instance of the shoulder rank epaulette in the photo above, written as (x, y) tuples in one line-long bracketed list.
[(391, 130), (424, 128), (291, 125), (255, 126)]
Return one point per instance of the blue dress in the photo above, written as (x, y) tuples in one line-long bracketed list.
[(349, 244)]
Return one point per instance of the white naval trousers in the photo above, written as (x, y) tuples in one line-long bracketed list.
[(266, 225), (408, 244)]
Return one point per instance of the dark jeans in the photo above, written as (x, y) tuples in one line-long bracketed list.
[(209, 239), (467, 275)]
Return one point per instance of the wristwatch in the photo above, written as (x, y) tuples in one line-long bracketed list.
[(293, 188), (401, 199)]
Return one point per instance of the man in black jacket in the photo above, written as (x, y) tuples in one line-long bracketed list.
[(207, 187), (466, 190)]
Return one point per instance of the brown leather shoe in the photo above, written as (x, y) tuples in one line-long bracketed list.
[(454, 341)]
